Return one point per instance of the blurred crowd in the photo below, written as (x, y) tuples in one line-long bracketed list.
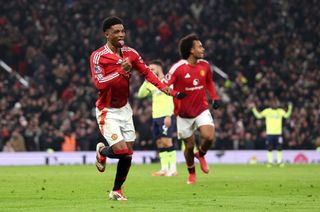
[(269, 49)]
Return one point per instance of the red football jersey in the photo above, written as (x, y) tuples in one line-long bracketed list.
[(194, 80), (113, 82)]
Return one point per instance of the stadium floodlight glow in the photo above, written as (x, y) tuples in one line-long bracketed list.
[(220, 72), (17, 75)]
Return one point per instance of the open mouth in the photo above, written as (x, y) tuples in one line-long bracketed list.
[(121, 42)]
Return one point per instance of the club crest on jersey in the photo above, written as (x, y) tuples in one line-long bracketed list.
[(114, 137), (97, 69), (202, 73), (195, 82)]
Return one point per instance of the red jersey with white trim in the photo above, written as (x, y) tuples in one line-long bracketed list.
[(194, 81), (113, 82)]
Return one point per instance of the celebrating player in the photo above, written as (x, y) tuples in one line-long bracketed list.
[(111, 67), (162, 111), (193, 76), (273, 117)]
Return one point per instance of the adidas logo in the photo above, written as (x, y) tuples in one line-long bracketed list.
[(187, 76)]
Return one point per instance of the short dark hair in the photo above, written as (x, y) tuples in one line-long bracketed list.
[(110, 21), (156, 62), (185, 45)]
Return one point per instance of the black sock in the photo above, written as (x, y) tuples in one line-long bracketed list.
[(122, 172), (192, 169), (201, 152)]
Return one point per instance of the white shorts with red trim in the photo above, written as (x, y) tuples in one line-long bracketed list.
[(116, 124), (187, 126)]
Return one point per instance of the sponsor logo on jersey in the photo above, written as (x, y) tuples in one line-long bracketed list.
[(187, 76), (114, 137), (202, 73), (195, 82), (194, 88), (97, 69)]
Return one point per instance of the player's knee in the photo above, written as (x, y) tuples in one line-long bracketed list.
[(208, 137), (189, 146)]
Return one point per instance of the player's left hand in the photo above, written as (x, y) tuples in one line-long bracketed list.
[(216, 104), (126, 65)]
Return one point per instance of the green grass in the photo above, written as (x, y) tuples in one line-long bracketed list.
[(225, 188)]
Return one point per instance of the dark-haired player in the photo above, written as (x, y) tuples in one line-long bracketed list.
[(193, 76), (111, 67)]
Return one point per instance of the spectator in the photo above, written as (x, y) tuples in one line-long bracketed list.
[(266, 48)]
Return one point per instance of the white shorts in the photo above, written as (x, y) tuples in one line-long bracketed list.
[(186, 127), (116, 124)]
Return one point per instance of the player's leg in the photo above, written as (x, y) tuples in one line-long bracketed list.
[(171, 151), (189, 156), (171, 156), (101, 116), (207, 132), (279, 151), (185, 129), (163, 156), (117, 127), (269, 144), (126, 151)]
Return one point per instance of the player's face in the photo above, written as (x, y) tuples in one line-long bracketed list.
[(116, 35), (197, 50), (157, 70)]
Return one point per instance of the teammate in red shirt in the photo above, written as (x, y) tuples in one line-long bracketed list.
[(111, 67), (193, 76)]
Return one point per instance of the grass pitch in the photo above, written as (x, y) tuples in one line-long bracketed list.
[(225, 188)]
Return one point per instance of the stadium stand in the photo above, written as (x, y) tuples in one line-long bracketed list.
[(269, 49)]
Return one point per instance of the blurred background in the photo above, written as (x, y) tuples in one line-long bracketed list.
[(269, 49)]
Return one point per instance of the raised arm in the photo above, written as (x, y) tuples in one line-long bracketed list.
[(255, 112), (289, 112)]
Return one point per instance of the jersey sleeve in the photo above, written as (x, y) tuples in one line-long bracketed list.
[(210, 85), (139, 65), (143, 90), (289, 112), (101, 80), (171, 76), (257, 114)]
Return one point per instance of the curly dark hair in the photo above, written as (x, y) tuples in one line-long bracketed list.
[(185, 45)]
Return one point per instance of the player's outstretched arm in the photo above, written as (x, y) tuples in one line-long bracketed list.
[(143, 90), (177, 94), (289, 112), (255, 112)]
